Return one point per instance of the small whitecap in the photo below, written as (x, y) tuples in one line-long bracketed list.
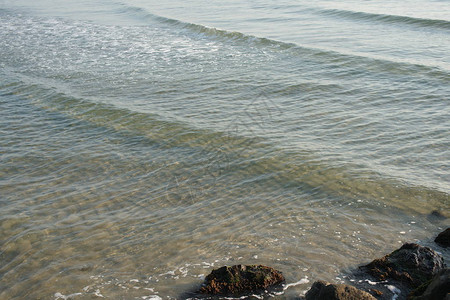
[(71, 296), (301, 281), (371, 282), (152, 297), (168, 273), (98, 294), (59, 296), (396, 291), (393, 289)]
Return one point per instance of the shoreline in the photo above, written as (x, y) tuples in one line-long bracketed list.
[(412, 272)]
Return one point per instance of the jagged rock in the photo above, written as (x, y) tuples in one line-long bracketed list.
[(322, 290), (411, 265), (239, 280), (443, 238), (438, 288)]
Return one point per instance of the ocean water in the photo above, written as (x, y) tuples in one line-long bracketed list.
[(145, 143)]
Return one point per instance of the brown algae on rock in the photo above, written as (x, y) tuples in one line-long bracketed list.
[(241, 279)]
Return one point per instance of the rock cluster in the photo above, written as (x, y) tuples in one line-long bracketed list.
[(401, 273), (412, 264), (411, 272)]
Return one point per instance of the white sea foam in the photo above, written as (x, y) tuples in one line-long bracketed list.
[(152, 297), (168, 273), (371, 282), (395, 290), (301, 281), (66, 297), (98, 294)]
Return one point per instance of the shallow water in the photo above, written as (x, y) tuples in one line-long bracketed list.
[(143, 144)]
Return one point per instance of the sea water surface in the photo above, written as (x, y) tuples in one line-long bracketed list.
[(144, 143)]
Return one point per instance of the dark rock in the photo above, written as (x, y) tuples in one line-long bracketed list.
[(411, 265), (322, 290), (240, 280), (438, 288), (443, 238), (437, 215)]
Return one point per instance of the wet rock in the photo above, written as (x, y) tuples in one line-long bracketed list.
[(443, 238), (412, 265), (322, 290), (438, 288), (240, 280), (437, 215)]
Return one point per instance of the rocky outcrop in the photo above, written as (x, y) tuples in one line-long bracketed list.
[(411, 272), (438, 288), (443, 239), (412, 265), (240, 280), (322, 290)]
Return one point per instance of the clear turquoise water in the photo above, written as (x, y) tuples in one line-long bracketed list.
[(142, 143)]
